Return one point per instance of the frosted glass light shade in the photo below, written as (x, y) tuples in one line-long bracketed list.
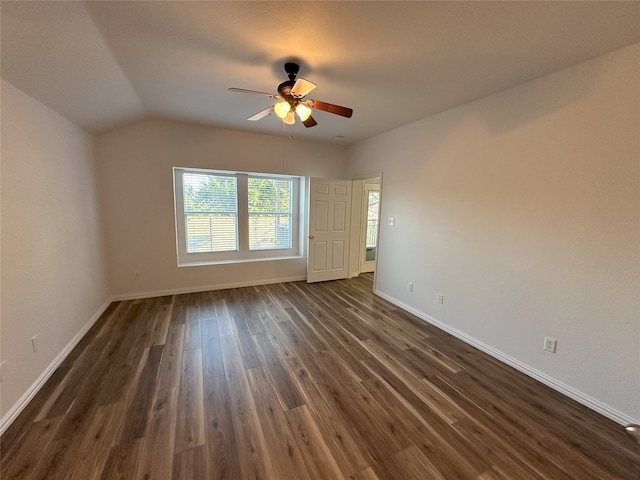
[(282, 109), (303, 111), (289, 119)]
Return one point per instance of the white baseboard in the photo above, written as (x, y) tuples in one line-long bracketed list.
[(577, 395), (206, 288), (15, 410)]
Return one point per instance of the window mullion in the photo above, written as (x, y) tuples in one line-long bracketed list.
[(243, 213)]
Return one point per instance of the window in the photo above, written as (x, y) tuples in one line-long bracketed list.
[(270, 201), (210, 212), (224, 217)]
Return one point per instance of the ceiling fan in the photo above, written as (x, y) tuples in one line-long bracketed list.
[(291, 96)]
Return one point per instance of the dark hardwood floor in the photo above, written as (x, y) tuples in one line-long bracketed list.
[(297, 381)]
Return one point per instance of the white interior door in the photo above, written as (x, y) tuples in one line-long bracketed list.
[(329, 224)]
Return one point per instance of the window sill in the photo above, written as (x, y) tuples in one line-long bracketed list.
[(237, 260)]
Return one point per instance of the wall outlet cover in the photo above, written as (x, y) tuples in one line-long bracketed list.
[(550, 344)]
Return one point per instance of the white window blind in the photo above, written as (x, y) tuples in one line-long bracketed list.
[(270, 213), (210, 212)]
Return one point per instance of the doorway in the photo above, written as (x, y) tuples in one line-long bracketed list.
[(369, 227), (365, 220), (343, 227)]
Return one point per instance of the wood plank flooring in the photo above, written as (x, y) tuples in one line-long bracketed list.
[(295, 381)]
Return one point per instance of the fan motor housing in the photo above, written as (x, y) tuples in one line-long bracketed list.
[(284, 89)]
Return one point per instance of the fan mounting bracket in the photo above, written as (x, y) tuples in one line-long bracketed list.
[(292, 70)]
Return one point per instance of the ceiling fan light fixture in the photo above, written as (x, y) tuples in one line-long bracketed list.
[(303, 111), (291, 100), (282, 109), (289, 118)]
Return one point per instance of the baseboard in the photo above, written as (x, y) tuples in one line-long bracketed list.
[(17, 408), (577, 395), (206, 288)]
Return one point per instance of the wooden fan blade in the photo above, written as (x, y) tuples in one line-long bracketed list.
[(242, 90), (309, 122), (302, 87), (261, 114), (331, 108)]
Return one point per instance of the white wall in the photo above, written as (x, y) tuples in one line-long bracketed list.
[(523, 209), (54, 277), (135, 165)]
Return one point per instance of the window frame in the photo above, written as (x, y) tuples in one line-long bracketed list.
[(243, 253)]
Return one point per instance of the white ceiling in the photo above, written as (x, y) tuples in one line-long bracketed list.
[(106, 64)]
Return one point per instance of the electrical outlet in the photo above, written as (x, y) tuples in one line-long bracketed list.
[(3, 370), (34, 343), (440, 298), (410, 287), (550, 344), (392, 221)]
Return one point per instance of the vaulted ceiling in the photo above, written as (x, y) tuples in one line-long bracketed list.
[(103, 64)]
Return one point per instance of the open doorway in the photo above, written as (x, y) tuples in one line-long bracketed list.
[(365, 213), (369, 226)]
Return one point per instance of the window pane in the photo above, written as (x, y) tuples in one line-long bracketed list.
[(210, 212), (270, 213)]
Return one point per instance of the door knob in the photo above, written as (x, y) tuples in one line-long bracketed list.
[(311, 237)]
